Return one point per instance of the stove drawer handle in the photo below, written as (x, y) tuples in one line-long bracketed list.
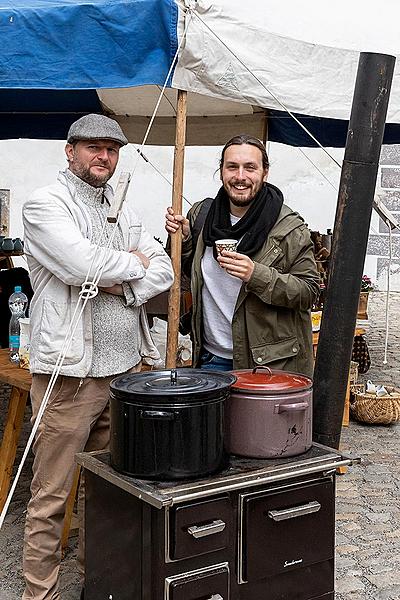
[(295, 407), (297, 511), (199, 531)]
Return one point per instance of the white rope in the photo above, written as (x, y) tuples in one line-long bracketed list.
[(193, 11), (157, 170), (329, 181), (49, 389), (387, 297), (88, 291)]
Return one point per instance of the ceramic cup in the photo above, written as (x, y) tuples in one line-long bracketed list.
[(18, 246), (7, 245), (229, 245)]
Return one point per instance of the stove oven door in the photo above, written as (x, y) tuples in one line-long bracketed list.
[(208, 583), (287, 529)]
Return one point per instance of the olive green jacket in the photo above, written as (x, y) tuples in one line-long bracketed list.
[(271, 324)]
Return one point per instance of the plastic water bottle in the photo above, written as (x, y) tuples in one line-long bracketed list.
[(17, 303)]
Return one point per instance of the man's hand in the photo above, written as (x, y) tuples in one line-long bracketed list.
[(173, 222), (238, 265), (115, 289), (143, 258)]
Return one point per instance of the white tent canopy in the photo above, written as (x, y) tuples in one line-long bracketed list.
[(306, 75), (239, 58)]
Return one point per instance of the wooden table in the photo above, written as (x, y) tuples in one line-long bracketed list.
[(20, 381), (315, 337)]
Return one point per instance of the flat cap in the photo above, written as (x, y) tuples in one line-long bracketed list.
[(96, 127)]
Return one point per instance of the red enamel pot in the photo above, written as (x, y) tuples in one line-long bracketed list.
[(269, 414)]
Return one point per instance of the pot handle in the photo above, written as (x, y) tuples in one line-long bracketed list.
[(263, 368), (158, 415), (295, 407)]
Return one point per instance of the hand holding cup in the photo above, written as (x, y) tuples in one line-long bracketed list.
[(235, 264), (229, 245)]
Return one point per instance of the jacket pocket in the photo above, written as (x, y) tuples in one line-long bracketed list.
[(281, 351), (55, 321)]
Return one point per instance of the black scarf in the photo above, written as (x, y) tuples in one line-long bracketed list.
[(253, 227)]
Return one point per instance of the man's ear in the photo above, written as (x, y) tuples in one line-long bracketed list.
[(69, 151), (266, 171)]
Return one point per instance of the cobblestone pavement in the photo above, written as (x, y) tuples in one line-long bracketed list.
[(368, 498)]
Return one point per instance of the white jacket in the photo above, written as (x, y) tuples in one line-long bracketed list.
[(59, 251)]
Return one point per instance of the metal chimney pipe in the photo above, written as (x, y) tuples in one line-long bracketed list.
[(349, 244)]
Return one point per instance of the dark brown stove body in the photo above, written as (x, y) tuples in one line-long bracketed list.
[(261, 530)]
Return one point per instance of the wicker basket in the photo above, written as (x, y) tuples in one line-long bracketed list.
[(369, 408)]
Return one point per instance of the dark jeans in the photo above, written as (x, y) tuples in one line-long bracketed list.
[(215, 363)]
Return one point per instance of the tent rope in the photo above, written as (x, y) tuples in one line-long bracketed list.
[(191, 10), (157, 170), (387, 296), (89, 290)]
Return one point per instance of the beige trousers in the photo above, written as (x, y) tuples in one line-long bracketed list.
[(76, 419)]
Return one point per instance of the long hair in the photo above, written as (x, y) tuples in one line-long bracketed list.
[(244, 138)]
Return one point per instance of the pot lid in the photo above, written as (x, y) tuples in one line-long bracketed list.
[(264, 379), (189, 384)]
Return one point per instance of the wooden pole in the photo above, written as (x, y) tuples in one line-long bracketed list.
[(265, 128), (176, 239)]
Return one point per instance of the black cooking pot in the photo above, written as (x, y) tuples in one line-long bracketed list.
[(169, 424)]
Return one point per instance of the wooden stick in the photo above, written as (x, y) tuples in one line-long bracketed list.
[(119, 197), (176, 239), (9, 444), (265, 128)]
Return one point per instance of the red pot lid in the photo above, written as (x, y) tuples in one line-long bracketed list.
[(264, 379)]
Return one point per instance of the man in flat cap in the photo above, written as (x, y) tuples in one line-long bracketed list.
[(68, 240)]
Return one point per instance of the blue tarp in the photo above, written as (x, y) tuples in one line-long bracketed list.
[(56, 53), (68, 44)]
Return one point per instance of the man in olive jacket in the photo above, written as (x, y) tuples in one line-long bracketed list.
[(255, 310)]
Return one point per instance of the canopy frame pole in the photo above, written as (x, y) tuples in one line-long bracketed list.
[(174, 298)]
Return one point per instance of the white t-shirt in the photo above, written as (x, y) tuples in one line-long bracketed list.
[(219, 295)]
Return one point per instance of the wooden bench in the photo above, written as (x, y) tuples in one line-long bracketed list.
[(20, 381)]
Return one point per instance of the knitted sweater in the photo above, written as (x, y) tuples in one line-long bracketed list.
[(115, 324)]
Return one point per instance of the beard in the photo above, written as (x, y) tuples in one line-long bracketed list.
[(86, 175), (241, 200)]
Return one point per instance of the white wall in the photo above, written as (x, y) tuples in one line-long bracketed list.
[(28, 164)]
